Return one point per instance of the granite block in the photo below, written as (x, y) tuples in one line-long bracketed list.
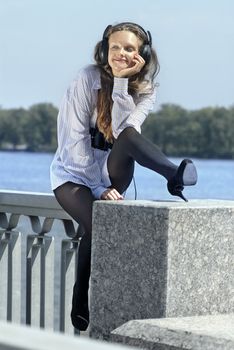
[(213, 332), (160, 259)]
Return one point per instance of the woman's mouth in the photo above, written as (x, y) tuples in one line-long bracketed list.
[(120, 59), (120, 62)]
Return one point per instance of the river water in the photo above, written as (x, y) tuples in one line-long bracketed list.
[(25, 171)]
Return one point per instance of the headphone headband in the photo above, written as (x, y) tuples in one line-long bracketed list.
[(147, 33)]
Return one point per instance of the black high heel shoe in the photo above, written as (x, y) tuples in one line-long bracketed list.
[(80, 319), (80, 310), (186, 175)]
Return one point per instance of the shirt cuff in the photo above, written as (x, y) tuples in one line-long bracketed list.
[(98, 191), (120, 85)]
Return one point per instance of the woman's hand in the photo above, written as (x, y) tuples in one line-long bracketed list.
[(138, 63), (111, 194)]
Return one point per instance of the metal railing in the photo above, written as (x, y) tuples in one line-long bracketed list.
[(38, 255)]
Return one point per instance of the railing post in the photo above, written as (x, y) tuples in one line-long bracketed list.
[(15, 276), (68, 275), (10, 269), (40, 281), (4, 315)]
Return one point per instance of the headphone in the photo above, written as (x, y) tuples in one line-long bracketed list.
[(145, 50)]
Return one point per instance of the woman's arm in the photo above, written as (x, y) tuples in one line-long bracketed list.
[(74, 141), (125, 111)]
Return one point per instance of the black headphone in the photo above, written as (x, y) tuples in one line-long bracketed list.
[(145, 50)]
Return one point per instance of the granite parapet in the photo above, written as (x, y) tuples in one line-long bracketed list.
[(160, 259)]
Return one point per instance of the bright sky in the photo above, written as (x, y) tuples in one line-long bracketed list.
[(43, 43)]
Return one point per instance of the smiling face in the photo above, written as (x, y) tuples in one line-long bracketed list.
[(123, 46)]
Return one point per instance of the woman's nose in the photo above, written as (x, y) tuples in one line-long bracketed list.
[(122, 51)]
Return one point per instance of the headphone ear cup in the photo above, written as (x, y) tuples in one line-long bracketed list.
[(103, 51), (145, 52), (104, 46)]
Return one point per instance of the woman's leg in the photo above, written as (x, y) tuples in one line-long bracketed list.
[(77, 201), (130, 146)]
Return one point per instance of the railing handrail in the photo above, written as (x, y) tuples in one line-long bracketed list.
[(31, 203)]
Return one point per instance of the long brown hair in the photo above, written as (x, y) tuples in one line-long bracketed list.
[(141, 82)]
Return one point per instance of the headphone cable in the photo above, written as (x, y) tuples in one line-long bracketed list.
[(135, 188)]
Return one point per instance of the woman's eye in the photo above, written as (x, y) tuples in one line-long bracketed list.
[(115, 47), (129, 49)]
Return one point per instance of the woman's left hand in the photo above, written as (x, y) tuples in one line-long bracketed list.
[(111, 194), (138, 63)]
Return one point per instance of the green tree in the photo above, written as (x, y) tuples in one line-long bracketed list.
[(40, 127), (205, 133), (11, 126), (3, 117)]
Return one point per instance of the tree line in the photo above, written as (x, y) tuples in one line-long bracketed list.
[(203, 133), (32, 129)]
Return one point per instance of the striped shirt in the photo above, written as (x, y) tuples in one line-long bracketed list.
[(75, 160)]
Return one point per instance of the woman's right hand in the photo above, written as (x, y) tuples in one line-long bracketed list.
[(136, 66), (111, 194)]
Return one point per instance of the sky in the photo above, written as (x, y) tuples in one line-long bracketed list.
[(44, 43)]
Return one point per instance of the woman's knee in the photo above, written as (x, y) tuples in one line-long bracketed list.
[(128, 132), (77, 201)]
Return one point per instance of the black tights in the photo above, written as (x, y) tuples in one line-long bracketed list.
[(77, 200)]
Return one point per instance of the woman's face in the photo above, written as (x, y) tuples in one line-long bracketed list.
[(123, 46)]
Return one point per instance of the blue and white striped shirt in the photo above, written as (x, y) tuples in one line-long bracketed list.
[(75, 160)]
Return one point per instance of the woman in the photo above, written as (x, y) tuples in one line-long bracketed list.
[(99, 139)]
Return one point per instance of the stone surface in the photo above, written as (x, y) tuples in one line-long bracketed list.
[(160, 259), (197, 333)]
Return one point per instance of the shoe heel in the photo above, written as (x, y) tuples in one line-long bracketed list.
[(180, 194)]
